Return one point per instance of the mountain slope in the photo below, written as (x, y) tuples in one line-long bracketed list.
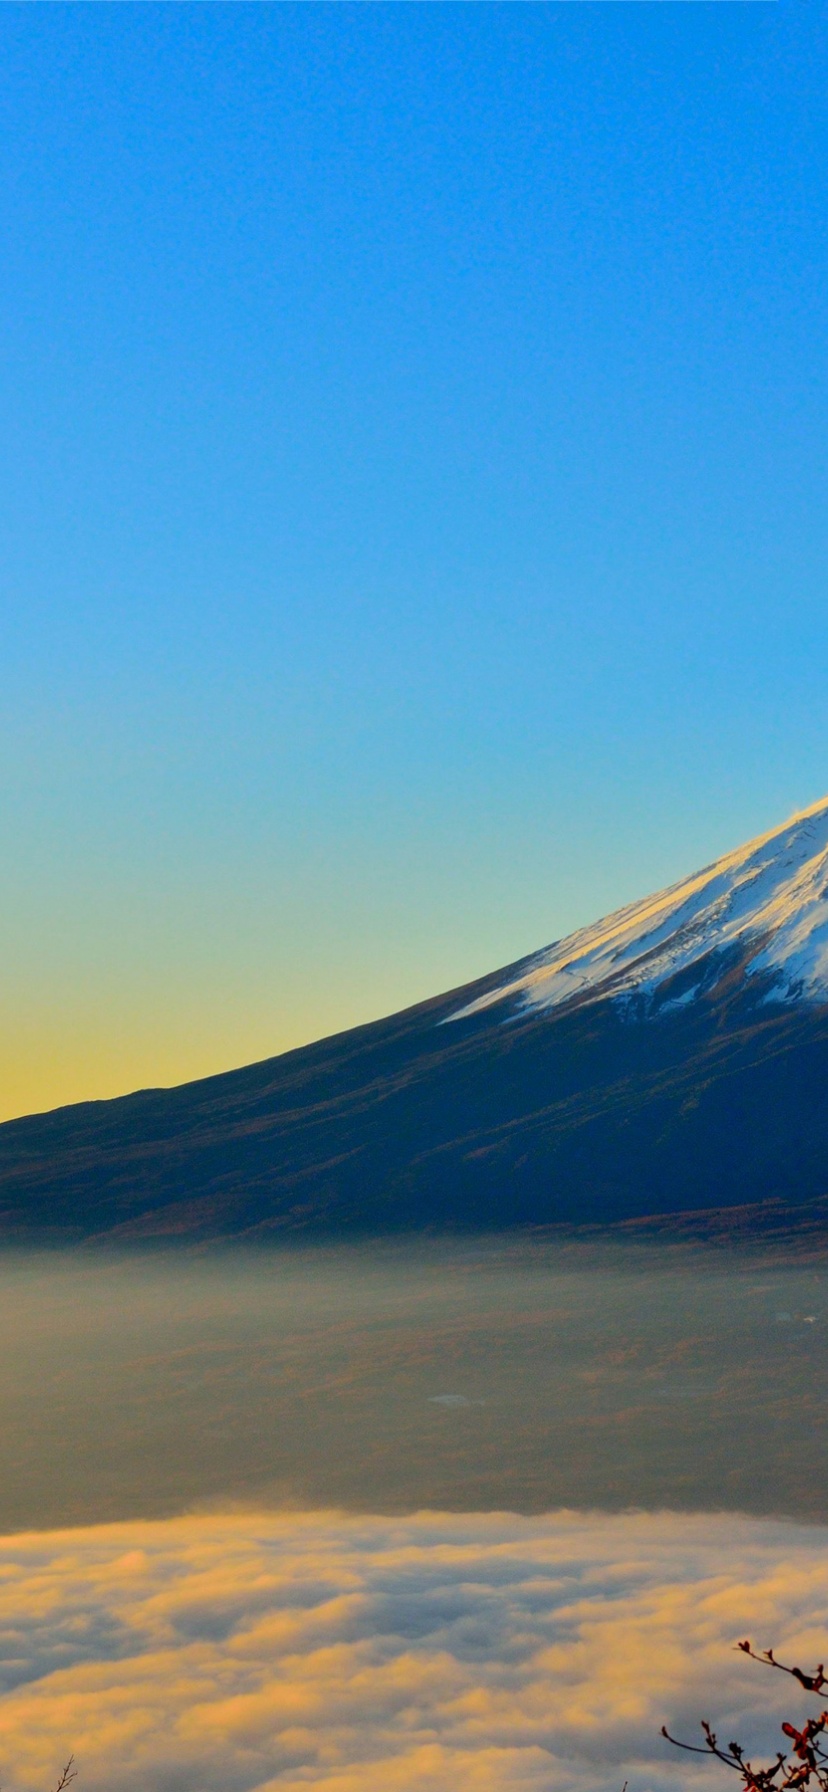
[(768, 899), (674, 1056)]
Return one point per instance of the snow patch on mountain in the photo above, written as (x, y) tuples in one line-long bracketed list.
[(769, 899)]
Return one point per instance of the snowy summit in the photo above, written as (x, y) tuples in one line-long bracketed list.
[(766, 902)]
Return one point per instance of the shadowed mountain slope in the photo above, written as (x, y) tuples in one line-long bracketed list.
[(683, 1065)]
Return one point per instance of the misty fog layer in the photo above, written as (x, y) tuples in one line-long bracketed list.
[(440, 1652), (461, 1377)]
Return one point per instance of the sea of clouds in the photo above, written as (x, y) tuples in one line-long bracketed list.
[(437, 1653)]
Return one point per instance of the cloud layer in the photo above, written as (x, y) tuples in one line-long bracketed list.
[(436, 1653)]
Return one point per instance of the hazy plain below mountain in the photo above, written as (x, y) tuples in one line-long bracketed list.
[(498, 1373), (670, 1059)]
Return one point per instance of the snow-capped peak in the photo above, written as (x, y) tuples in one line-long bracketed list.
[(769, 900)]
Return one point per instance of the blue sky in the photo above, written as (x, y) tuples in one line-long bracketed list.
[(413, 522)]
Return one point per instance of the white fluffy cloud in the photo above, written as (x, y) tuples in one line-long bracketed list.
[(427, 1654)]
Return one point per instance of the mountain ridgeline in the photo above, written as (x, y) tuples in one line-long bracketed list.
[(670, 1059)]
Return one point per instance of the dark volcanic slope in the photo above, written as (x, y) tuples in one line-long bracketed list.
[(575, 1114)]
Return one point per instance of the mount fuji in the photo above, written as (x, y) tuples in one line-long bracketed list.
[(670, 1060), (767, 902)]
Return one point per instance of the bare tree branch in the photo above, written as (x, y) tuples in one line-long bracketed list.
[(803, 1764)]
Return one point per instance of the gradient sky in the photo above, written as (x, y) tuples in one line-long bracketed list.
[(413, 499)]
